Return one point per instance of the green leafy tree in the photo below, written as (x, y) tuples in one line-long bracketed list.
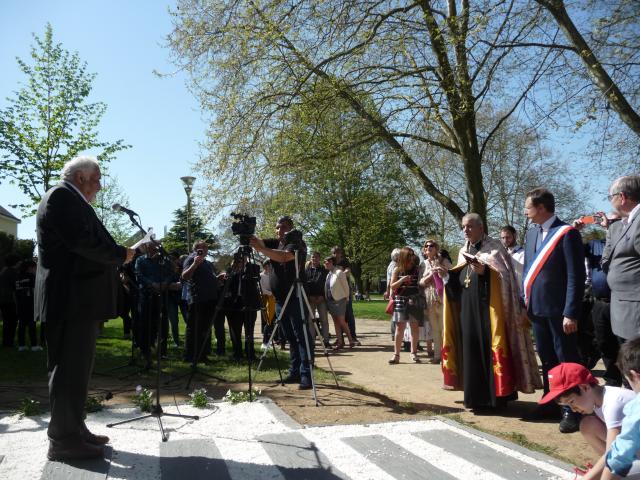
[(118, 225), (176, 238), (343, 184), (24, 248), (50, 120)]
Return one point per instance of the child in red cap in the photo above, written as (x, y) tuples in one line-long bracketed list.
[(573, 385)]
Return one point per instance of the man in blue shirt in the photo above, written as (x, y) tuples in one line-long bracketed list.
[(153, 275)]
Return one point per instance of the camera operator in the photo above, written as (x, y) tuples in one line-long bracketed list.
[(202, 293), (153, 277), (241, 304), (281, 252)]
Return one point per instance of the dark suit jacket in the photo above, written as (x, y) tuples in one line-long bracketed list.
[(559, 287), (77, 277)]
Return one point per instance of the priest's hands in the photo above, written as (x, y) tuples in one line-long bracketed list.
[(569, 325), (478, 267)]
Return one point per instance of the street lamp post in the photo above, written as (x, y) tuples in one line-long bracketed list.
[(187, 183)]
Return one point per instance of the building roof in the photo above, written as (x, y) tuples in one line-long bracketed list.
[(7, 214)]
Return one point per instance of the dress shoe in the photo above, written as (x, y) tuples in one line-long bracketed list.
[(76, 450), (548, 411), (570, 422), (291, 378), (94, 439)]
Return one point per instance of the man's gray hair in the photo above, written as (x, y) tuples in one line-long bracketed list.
[(82, 163), (630, 185), (395, 253), (473, 217)]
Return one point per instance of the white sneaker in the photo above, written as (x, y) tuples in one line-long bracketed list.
[(265, 346), (36, 348), (22, 349)]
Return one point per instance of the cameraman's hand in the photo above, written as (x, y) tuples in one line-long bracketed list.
[(257, 243)]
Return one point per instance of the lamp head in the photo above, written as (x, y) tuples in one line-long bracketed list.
[(188, 182)]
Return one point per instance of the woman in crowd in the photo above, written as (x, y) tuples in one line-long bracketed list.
[(435, 267), (408, 301), (387, 293), (336, 294), (268, 313)]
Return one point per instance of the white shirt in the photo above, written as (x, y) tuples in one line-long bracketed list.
[(613, 401), (69, 184), (264, 283), (546, 225), (632, 213)]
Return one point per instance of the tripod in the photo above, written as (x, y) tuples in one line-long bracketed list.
[(156, 411), (301, 294)]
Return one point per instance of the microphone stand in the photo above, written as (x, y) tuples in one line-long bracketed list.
[(156, 410)]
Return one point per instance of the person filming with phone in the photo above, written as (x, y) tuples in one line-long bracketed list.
[(202, 294)]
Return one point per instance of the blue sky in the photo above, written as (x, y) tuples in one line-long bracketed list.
[(122, 42)]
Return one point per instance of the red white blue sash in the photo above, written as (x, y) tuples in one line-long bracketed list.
[(542, 257)]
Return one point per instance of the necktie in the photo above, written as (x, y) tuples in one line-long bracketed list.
[(539, 238)]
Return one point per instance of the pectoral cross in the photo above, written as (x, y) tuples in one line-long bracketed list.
[(467, 281)]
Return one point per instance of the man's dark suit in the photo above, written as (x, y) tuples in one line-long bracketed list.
[(76, 289), (557, 292)]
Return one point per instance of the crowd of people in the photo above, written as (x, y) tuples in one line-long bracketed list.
[(581, 301), (476, 319)]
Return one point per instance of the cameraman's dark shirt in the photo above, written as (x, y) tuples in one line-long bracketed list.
[(284, 274), (316, 278), (203, 286)]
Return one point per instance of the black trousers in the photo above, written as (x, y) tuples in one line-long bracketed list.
[(151, 318), (71, 354), (199, 321), (606, 341), (9, 323), (237, 320)]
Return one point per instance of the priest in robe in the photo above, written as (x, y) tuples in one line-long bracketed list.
[(487, 348)]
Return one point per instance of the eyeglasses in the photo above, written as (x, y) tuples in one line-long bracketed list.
[(610, 197), (430, 245)]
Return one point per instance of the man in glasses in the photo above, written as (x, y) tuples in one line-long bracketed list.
[(621, 257)]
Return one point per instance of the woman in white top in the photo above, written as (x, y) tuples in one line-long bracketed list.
[(337, 292)]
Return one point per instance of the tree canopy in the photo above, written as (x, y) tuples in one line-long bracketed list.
[(49, 120)]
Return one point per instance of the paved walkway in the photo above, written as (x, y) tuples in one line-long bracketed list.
[(259, 442), (420, 385)]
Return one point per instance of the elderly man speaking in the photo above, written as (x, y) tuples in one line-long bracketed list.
[(76, 289)]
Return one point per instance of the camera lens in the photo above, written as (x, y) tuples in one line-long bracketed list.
[(200, 252)]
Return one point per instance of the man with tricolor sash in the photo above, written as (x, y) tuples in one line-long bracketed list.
[(553, 287)]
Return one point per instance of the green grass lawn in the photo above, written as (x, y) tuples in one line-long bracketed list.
[(112, 350), (373, 309)]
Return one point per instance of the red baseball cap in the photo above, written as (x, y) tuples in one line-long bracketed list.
[(566, 376)]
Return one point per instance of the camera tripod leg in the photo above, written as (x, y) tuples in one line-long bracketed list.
[(319, 335)]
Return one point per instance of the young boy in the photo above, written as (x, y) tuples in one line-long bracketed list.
[(573, 385), (624, 450)]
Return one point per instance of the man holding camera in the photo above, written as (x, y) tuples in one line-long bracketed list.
[(282, 251), (202, 293)]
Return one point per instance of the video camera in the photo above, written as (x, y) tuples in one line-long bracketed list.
[(244, 227)]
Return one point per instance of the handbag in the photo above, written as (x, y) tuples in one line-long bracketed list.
[(392, 303), (390, 306)]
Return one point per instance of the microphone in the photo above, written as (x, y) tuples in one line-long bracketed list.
[(119, 208)]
